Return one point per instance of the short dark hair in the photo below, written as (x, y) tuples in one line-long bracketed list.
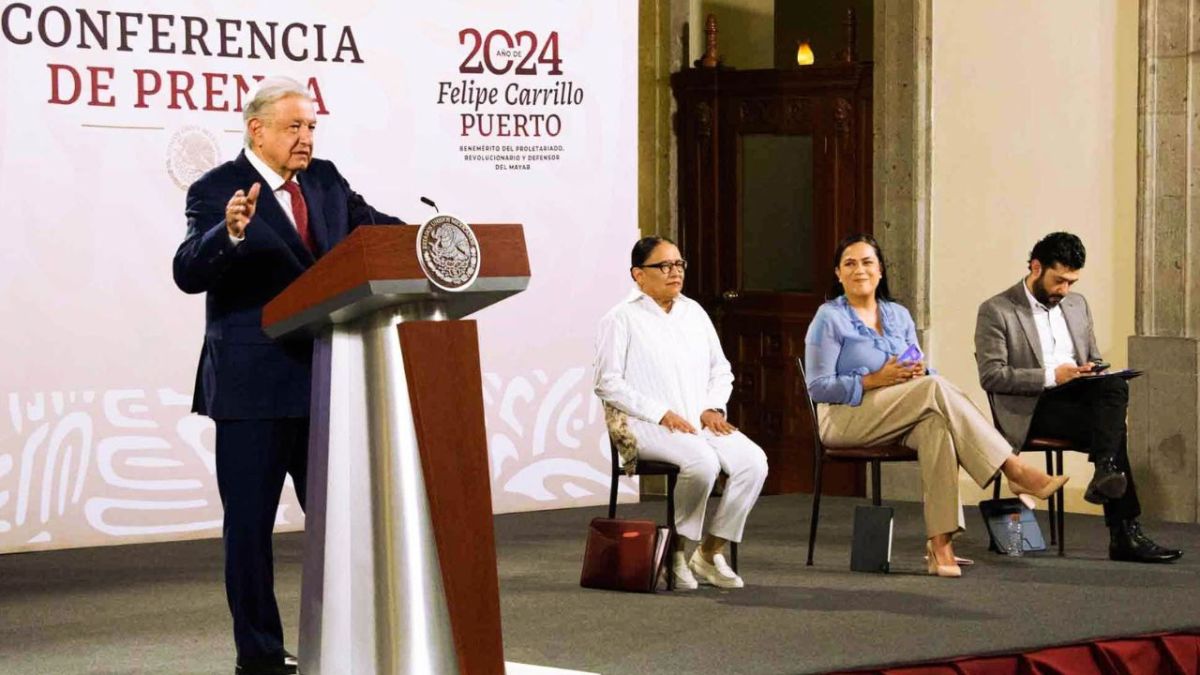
[(881, 291), (644, 247), (1059, 248)]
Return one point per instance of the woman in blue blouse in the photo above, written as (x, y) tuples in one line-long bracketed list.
[(866, 395)]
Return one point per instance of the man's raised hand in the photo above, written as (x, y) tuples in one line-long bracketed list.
[(240, 210)]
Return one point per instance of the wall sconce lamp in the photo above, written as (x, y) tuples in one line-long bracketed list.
[(804, 53)]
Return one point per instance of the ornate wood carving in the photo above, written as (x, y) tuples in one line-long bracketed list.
[(789, 114), (843, 113), (704, 120)]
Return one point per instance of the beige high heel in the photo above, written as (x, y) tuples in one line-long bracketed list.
[(1044, 493), (931, 563)]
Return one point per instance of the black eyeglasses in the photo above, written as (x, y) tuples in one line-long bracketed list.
[(666, 265)]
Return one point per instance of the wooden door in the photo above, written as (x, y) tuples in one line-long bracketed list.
[(787, 155)]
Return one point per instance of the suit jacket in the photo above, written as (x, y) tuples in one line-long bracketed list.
[(1008, 354), (243, 374)]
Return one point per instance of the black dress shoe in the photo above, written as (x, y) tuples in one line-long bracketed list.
[(272, 665), (1128, 543), (1108, 483)]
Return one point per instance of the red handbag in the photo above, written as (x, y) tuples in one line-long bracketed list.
[(624, 555)]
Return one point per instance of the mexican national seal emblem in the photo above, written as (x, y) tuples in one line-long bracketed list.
[(448, 252), (190, 153)]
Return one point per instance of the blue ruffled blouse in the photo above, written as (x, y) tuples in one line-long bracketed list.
[(839, 348)]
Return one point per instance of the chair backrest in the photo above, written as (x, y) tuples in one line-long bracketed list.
[(818, 447), (617, 424), (612, 452)]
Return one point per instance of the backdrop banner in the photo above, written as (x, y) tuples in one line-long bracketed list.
[(501, 112)]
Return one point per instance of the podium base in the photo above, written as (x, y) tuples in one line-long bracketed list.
[(399, 569)]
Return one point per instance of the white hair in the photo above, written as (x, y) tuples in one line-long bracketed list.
[(268, 92)]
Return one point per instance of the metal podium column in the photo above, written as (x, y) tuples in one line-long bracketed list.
[(373, 599)]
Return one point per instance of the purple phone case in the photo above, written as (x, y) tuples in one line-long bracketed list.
[(912, 354)]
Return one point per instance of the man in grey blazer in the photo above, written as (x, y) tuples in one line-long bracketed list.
[(1035, 348)]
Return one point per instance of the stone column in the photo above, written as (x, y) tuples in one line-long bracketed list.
[(659, 50), (902, 99), (902, 148), (1164, 415)]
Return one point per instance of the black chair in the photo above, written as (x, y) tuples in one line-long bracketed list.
[(646, 467), (875, 455), (1053, 447)]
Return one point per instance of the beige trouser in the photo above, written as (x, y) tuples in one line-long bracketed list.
[(935, 418)]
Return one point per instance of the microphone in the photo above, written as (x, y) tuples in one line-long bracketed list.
[(429, 202)]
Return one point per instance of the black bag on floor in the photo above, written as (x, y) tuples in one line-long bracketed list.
[(871, 542), (996, 515)]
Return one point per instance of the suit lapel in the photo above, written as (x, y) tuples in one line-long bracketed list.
[(1077, 325), (315, 199), (1016, 295), (270, 212)]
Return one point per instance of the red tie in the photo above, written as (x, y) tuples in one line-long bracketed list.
[(300, 213)]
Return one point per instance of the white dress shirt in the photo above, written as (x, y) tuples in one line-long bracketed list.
[(1053, 334), (275, 183), (649, 361)]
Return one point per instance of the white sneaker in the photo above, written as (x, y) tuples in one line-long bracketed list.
[(718, 574), (684, 581)]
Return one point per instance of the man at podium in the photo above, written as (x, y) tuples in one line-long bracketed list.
[(254, 224)]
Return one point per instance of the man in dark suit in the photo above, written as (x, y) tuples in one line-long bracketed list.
[(1033, 339), (253, 225)]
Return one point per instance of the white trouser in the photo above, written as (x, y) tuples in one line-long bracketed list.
[(701, 458)]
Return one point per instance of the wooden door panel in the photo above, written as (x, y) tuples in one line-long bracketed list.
[(818, 116)]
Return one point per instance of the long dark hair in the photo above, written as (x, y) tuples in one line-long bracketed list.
[(881, 291)]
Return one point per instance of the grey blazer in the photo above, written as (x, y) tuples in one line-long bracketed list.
[(1009, 355)]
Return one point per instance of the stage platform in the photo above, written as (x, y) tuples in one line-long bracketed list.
[(160, 608)]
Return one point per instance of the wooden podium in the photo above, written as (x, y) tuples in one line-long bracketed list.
[(399, 554)]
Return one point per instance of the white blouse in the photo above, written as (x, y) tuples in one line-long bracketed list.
[(649, 361)]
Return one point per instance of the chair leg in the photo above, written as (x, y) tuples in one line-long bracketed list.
[(996, 488), (674, 536), (1051, 501), (876, 483), (816, 510), (733, 555), (612, 495), (1060, 502)]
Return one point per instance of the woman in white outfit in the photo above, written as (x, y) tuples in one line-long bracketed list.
[(659, 361)]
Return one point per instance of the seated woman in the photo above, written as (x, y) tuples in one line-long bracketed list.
[(659, 361), (866, 396)]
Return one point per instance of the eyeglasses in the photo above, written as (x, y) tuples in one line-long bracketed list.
[(666, 265)]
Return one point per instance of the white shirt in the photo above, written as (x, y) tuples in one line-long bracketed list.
[(275, 183), (649, 361), (1053, 334)]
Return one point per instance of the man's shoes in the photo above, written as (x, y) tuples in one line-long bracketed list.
[(718, 573), (284, 664), (1127, 543), (684, 581), (1108, 483)]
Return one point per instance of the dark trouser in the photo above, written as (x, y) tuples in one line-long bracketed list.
[(1092, 414), (253, 457)]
